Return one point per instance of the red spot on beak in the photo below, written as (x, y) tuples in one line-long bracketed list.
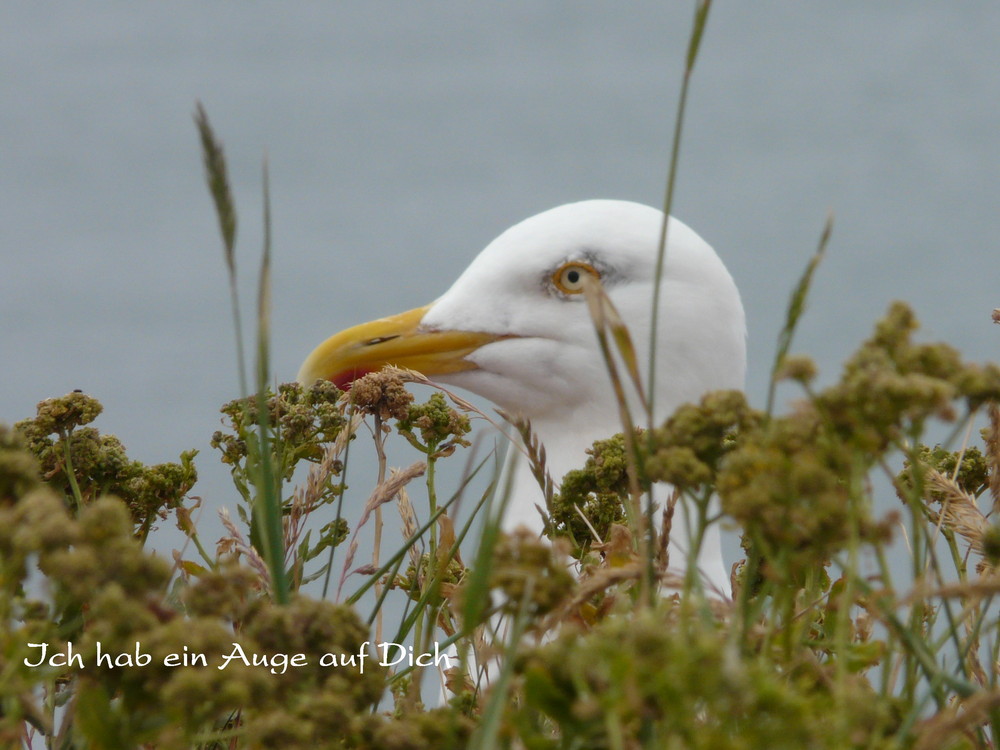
[(344, 380)]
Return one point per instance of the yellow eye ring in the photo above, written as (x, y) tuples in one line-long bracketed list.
[(568, 278)]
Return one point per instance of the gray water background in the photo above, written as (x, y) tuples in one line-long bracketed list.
[(402, 137)]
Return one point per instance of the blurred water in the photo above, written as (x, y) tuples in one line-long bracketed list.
[(402, 140)]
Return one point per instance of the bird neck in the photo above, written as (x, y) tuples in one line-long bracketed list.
[(567, 437), (566, 442)]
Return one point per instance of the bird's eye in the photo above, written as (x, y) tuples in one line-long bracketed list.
[(568, 278)]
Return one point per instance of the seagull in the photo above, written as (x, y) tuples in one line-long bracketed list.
[(515, 328)]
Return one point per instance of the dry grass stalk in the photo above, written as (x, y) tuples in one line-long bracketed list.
[(663, 553), (382, 494), (306, 497), (606, 318), (412, 376), (410, 525), (959, 718), (534, 451), (603, 579), (973, 589), (237, 543), (959, 511), (993, 454), (590, 526)]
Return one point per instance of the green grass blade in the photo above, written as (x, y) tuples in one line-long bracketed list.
[(477, 596), (694, 44), (267, 513), (796, 306), (697, 32), (487, 734), (434, 584), (218, 187), (218, 184)]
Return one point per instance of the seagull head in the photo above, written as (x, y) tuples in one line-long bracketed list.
[(515, 327)]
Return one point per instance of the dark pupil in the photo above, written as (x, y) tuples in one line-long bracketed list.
[(573, 277)]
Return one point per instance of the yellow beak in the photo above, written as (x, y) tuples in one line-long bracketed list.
[(398, 341)]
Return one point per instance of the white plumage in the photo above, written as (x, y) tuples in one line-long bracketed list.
[(512, 329)]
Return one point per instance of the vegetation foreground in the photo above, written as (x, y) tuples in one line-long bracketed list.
[(822, 645)]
